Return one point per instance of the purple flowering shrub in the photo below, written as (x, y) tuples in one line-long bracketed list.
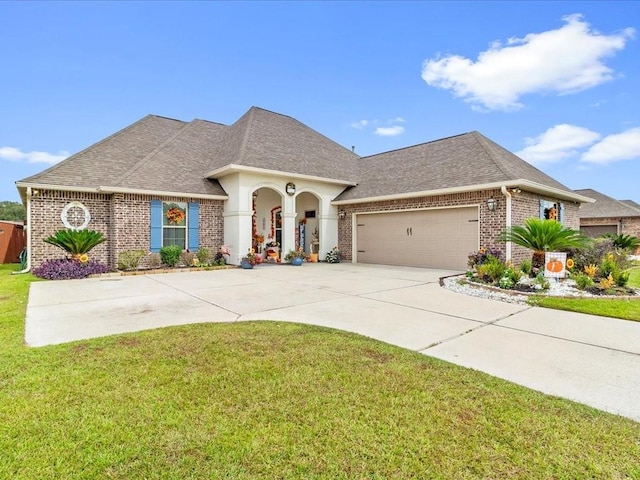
[(69, 269)]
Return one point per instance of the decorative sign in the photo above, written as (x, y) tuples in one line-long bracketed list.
[(555, 264), (75, 216)]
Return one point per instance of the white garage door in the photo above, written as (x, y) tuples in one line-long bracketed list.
[(441, 238)]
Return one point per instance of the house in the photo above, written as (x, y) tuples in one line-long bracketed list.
[(607, 215), (196, 184), (12, 241)]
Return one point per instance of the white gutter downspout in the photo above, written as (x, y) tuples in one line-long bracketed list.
[(28, 226), (506, 193)]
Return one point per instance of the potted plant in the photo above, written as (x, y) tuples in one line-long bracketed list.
[(296, 257), (249, 260), (315, 246), (333, 256)]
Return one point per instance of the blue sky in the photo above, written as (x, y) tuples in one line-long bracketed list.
[(558, 83)]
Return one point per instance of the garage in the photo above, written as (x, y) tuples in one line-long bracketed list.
[(436, 238), (598, 230)]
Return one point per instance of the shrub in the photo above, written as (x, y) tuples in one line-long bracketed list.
[(130, 259), (494, 268), (76, 242), (187, 258), (627, 243), (583, 281), (541, 282), (480, 257), (621, 278), (591, 254), (525, 266), (69, 269), (170, 255), (155, 260), (203, 255), (506, 282)]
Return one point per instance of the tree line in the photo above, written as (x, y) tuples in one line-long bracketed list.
[(12, 211)]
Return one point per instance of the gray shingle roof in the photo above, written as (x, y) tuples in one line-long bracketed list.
[(107, 161), (606, 206), (166, 155), (272, 141), (464, 160), (631, 203)]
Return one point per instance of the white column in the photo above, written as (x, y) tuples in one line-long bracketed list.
[(327, 227), (237, 234)]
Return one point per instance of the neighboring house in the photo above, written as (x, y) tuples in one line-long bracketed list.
[(607, 215), (201, 184)]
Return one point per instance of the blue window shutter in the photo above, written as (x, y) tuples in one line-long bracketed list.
[(541, 216), (156, 225), (194, 222), (561, 216)]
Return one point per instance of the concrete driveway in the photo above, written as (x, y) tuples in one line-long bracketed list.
[(592, 360)]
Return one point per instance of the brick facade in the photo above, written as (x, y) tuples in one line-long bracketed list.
[(124, 219), (523, 205)]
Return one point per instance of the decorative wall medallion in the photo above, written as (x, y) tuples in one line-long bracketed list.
[(75, 216)]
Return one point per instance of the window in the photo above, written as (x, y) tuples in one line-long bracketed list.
[(552, 211), (174, 223)]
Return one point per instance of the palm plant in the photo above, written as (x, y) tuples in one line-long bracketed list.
[(76, 242), (624, 242), (543, 236)]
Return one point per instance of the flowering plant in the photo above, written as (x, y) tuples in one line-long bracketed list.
[(175, 215), (259, 239), (223, 252), (68, 269), (299, 253), (251, 257), (333, 255)]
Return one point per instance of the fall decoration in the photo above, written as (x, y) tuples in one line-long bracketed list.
[(175, 215)]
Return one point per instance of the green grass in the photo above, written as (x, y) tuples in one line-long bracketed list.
[(624, 308), (276, 400)]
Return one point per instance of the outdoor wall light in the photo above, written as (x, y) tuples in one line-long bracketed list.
[(342, 214), (492, 203), (290, 189)]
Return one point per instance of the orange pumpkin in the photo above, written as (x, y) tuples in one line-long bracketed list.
[(554, 265)]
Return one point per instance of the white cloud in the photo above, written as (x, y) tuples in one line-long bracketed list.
[(16, 155), (563, 61), (360, 124), (613, 148), (389, 131), (397, 120), (558, 142)]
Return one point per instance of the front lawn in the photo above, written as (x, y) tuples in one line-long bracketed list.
[(626, 309), (277, 400)]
